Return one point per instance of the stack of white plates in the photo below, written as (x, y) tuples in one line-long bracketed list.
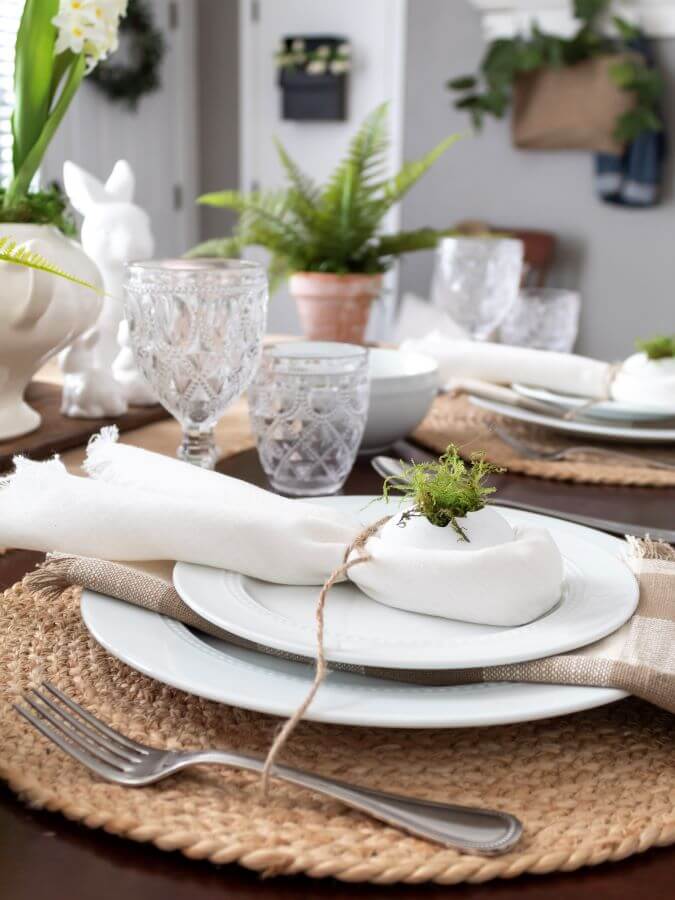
[(599, 595), (607, 420)]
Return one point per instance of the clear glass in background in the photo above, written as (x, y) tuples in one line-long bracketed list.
[(308, 406), (196, 329), (476, 281), (543, 318)]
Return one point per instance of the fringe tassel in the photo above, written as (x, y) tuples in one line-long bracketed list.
[(52, 578), (96, 463), (646, 548)]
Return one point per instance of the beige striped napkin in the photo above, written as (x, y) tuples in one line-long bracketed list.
[(638, 658)]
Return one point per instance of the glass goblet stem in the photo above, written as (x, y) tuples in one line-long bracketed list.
[(199, 447)]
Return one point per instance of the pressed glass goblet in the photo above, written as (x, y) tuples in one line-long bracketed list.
[(196, 330), (308, 404), (476, 281)]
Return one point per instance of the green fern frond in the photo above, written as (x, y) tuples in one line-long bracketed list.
[(334, 228), (409, 241), (18, 254), (217, 247), (411, 172)]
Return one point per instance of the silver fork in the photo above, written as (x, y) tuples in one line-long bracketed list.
[(117, 758), (560, 455)]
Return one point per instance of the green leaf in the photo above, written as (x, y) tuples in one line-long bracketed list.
[(588, 10), (34, 61), (24, 175), (627, 31), (17, 254), (464, 83)]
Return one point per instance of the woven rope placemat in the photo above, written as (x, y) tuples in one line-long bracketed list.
[(456, 420), (589, 788)]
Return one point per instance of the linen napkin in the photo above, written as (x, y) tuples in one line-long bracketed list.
[(638, 658), (504, 364), (138, 506)]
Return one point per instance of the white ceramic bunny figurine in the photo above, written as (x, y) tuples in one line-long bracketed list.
[(115, 230), (88, 391)]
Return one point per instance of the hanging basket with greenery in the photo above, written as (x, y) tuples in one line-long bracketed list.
[(510, 63)]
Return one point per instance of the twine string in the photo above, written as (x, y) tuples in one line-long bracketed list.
[(358, 545)]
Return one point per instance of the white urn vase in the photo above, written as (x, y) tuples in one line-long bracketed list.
[(40, 314)]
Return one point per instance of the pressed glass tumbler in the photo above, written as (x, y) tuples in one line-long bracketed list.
[(196, 330), (476, 281), (309, 404), (543, 318)]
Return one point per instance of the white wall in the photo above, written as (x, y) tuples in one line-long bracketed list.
[(622, 260), (376, 31)]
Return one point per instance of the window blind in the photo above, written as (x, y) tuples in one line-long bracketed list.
[(10, 15)]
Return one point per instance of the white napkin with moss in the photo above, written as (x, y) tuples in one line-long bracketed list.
[(139, 506)]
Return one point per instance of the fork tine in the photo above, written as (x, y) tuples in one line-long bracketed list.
[(96, 723), (84, 729), (96, 753), (94, 765)]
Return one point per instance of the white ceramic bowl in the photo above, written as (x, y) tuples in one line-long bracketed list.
[(402, 387)]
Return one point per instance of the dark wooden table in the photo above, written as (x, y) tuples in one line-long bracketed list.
[(42, 855)]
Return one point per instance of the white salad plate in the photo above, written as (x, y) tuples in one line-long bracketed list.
[(604, 432), (169, 652), (599, 594), (612, 410)]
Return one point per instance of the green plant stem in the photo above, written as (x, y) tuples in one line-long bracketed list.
[(20, 183)]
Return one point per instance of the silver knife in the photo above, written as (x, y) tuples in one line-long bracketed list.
[(387, 466)]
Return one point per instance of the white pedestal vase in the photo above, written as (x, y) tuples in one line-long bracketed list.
[(40, 314)]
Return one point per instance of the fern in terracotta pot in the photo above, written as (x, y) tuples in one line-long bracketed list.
[(327, 238)]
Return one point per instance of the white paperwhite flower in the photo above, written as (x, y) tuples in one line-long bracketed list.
[(298, 45), (323, 51), (344, 49), (89, 27), (316, 67), (339, 66)]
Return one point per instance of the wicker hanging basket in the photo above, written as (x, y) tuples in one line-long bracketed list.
[(570, 108)]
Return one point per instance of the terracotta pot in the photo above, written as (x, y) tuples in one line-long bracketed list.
[(334, 307)]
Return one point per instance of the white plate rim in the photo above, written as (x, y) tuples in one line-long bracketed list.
[(558, 632), (146, 641), (615, 409), (635, 435)]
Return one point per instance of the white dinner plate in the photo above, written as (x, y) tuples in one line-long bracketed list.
[(167, 651), (612, 410), (600, 431), (599, 594)]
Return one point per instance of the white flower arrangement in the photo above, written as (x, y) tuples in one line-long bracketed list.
[(326, 58), (88, 26), (71, 42)]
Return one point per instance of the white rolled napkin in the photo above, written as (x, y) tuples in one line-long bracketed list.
[(503, 364), (139, 506)]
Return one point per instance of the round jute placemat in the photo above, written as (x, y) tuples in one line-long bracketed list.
[(589, 788), (455, 420)]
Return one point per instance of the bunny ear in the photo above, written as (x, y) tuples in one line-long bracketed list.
[(121, 183), (84, 190)]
